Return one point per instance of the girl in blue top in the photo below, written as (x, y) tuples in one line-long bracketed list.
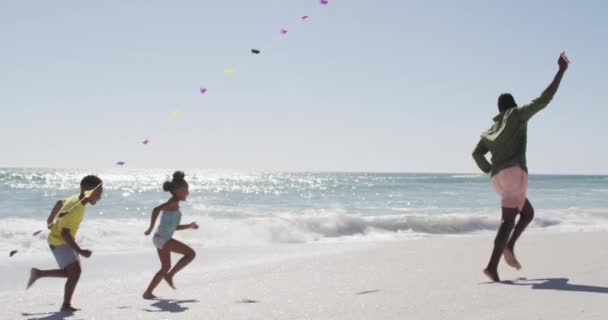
[(162, 239)]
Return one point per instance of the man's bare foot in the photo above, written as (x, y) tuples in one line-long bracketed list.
[(493, 275), (148, 296), (34, 275), (68, 308), (510, 259), (169, 280)]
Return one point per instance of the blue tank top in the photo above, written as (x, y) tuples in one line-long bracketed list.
[(168, 223)]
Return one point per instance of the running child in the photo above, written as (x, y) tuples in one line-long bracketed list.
[(163, 237), (64, 221)]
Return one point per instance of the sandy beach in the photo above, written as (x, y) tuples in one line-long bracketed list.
[(311, 160), (564, 277)]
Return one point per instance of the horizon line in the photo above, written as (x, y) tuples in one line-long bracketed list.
[(304, 171)]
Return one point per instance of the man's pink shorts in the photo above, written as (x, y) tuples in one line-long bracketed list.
[(511, 184)]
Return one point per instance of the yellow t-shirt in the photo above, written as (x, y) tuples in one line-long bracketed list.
[(70, 216)]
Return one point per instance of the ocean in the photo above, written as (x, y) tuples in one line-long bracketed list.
[(264, 208)]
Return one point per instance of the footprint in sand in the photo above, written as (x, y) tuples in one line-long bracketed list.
[(247, 301), (367, 292)]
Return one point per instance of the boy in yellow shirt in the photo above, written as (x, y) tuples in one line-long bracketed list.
[(69, 213)]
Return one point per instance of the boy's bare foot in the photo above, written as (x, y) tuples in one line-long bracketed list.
[(169, 280), (148, 296), (34, 275), (493, 275), (510, 259), (68, 308)]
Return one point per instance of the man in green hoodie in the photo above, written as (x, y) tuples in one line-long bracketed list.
[(506, 141)]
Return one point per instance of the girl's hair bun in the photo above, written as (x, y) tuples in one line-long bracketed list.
[(178, 180), (178, 176)]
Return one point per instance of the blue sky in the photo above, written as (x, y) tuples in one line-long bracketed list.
[(361, 86)]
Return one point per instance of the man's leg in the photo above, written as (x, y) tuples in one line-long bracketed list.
[(526, 216), (500, 242)]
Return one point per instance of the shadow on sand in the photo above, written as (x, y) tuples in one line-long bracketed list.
[(171, 306), (559, 284), (61, 315)]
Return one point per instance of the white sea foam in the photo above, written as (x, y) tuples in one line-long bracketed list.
[(120, 235)]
